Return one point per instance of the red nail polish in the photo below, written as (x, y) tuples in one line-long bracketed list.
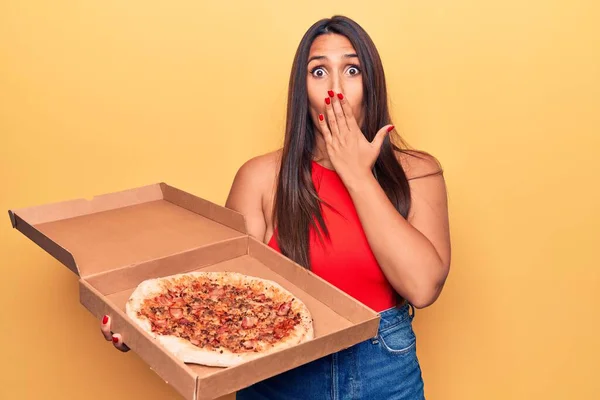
[(330, 93), (115, 339), (390, 128), (321, 117), (327, 100), (340, 96), (105, 319)]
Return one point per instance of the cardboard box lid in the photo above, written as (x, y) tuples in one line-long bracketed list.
[(126, 228)]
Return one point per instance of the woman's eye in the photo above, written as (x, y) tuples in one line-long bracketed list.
[(353, 71), (318, 72)]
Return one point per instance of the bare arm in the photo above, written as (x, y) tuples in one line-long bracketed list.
[(246, 197), (414, 254)]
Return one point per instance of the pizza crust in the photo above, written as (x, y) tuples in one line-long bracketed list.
[(221, 357)]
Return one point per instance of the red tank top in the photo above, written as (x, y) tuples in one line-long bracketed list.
[(345, 258)]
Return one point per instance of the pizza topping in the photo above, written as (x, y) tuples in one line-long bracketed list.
[(223, 329), (285, 308), (164, 301), (212, 316), (179, 302), (176, 312), (249, 322), (216, 293), (161, 316)]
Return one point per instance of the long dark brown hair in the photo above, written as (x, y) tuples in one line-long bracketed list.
[(297, 207)]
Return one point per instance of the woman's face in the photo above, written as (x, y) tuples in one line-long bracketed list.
[(333, 65)]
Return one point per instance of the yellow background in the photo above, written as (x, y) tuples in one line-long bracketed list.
[(99, 96)]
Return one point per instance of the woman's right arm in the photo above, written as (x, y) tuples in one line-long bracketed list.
[(247, 194)]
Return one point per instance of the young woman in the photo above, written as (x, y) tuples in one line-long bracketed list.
[(355, 207)]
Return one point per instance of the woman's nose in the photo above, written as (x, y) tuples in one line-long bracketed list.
[(336, 86)]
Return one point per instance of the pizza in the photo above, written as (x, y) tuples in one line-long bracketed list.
[(219, 319)]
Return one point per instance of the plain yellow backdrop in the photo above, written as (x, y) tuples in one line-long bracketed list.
[(99, 96)]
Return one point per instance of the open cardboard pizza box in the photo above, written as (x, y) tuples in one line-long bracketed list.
[(115, 241)]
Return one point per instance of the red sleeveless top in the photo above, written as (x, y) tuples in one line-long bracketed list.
[(345, 258)]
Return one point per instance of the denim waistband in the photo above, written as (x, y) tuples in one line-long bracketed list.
[(402, 313)]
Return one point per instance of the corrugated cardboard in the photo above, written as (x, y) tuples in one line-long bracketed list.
[(115, 241)]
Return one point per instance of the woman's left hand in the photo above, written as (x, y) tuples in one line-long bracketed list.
[(351, 154)]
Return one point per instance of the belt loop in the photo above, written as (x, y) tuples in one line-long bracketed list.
[(411, 307)]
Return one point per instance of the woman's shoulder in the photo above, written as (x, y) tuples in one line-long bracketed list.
[(257, 177), (261, 168), (419, 164), (251, 190)]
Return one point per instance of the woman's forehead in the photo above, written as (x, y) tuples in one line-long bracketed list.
[(331, 46)]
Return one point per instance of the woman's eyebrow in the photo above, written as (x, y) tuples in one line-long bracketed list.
[(350, 55)]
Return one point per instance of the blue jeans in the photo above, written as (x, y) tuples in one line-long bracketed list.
[(382, 368)]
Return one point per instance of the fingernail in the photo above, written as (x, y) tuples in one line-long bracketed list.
[(327, 100), (340, 96), (105, 319), (115, 339), (330, 93), (390, 128), (321, 117)]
